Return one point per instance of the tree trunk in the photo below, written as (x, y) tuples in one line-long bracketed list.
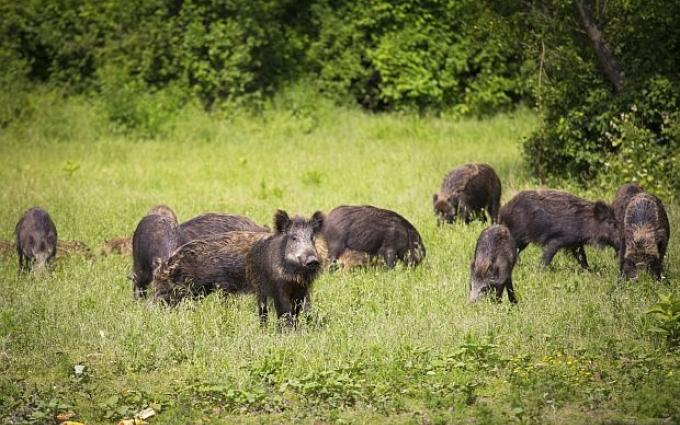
[(604, 55)]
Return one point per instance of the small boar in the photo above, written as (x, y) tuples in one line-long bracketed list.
[(121, 245), (645, 236), (555, 220), (468, 191), (203, 266), (211, 224), (68, 248), (36, 240), (491, 267), (155, 238), (373, 231), (622, 197), (284, 265)]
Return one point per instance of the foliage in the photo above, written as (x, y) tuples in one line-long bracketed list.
[(589, 129), (666, 313), (419, 55)]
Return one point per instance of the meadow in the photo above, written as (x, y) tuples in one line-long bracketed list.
[(381, 346)]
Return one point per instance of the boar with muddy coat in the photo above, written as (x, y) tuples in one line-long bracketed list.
[(155, 238), (556, 220), (491, 267), (211, 224), (203, 266), (468, 191), (284, 265), (645, 236), (373, 231), (622, 198), (36, 240)]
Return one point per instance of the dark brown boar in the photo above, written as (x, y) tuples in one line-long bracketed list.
[(645, 236), (203, 266), (283, 266), (155, 238), (36, 240), (373, 231), (555, 220), (121, 245), (491, 267), (622, 197), (468, 191), (211, 224)]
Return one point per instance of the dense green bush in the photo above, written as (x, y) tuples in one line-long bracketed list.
[(419, 55), (592, 131)]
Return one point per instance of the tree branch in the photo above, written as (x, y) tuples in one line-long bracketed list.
[(604, 55)]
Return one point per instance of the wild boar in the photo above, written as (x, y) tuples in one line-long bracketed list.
[(468, 191), (203, 266), (155, 238), (36, 240), (556, 220), (283, 266), (373, 231), (491, 267), (645, 236)]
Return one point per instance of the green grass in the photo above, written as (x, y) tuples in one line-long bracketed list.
[(396, 346)]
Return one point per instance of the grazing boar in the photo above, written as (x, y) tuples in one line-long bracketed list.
[(283, 266), (203, 266), (211, 224), (555, 220), (373, 231), (36, 240), (467, 191), (491, 267), (69, 248), (155, 238), (121, 245), (645, 236), (622, 197)]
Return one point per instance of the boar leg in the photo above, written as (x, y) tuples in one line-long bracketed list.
[(300, 301), (550, 251), (21, 259), (499, 293), (511, 291), (283, 309), (580, 254), (493, 208), (262, 307), (655, 268)]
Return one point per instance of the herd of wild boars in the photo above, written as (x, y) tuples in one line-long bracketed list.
[(233, 254)]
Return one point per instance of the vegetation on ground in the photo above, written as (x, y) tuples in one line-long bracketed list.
[(397, 346)]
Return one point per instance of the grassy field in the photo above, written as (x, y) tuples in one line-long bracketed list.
[(397, 346)]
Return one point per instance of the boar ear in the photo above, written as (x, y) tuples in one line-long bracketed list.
[(602, 211), (281, 221), (317, 221), (435, 197)]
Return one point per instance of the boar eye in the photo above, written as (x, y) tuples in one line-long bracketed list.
[(294, 238)]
